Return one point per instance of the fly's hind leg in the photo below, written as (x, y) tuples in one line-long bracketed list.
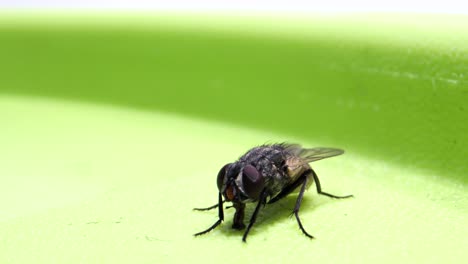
[(319, 188), (304, 180)]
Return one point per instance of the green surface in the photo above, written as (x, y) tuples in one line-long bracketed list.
[(96, 184), (114, 126)]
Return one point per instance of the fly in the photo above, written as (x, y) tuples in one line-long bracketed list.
[(264, 175)]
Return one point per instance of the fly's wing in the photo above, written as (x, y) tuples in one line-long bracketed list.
[(297, 162), (300, 157), (312, 154)]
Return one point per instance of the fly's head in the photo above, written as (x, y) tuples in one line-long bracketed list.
[(240, 183)]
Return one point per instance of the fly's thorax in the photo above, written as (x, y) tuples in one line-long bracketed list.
[(275, 177), (271, 162)]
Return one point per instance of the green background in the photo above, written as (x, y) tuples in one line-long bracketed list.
[(113, 126)]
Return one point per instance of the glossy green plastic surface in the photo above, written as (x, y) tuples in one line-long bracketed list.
[(114, 126)]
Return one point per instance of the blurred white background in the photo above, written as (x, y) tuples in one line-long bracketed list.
[(420, 6)]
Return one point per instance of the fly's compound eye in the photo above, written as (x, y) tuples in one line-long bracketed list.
[(221, 176), (252, 181)]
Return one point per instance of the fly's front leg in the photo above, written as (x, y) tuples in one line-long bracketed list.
[(220, 215), (261, 201), (239, 216), (207, 208)]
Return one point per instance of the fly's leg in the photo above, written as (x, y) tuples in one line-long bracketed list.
[(298, 205), (207, 208), (319, 188), (303, 180), (261, 201), (220, 214), (239, 216)]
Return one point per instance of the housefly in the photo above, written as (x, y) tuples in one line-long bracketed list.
[(264, 175)]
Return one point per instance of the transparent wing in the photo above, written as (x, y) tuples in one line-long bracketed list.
[(313, 154)]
